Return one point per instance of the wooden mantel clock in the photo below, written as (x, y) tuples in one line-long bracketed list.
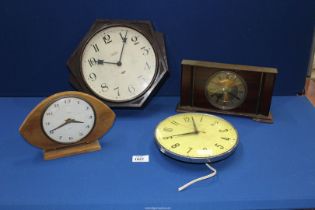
[(120, 62), (227, 89), (67, 123)]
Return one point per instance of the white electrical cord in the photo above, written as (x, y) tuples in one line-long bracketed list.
[(214, 172)]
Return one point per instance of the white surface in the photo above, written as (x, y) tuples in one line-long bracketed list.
[(140, 158), (64, 109), (111, 81)]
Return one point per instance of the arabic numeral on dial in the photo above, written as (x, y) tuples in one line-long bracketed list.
[(117, 89), (167, 129), (187, 119), (145, 50), (175, 145), (49, 114), (51, 132), (95, 47), (107, 39), (131, 89), (147, 66), (92, 76), (104, 87), (123, 37), (167, 137), (214, 123), (142, 78), (174, 122), (92, 62), (134, 39), (219, 146), (70, 138)]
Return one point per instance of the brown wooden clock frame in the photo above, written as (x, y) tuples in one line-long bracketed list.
[(155, 38), (260, 83), (32, 131)]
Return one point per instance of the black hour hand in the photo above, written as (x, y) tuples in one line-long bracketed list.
[(101, 62), (234, 96)]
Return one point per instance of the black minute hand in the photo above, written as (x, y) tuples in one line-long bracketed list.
[(194, 124), (67, 121), (182, 134), (124, 39), (233, 95)]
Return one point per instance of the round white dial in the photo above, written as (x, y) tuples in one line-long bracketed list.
[(68, 120), (118, 64)]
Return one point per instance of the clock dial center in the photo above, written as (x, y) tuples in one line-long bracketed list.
[(118, 63), (68, 120), (196, 137)]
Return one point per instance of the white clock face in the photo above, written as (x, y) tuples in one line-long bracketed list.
[(68, 120), (118, 64)]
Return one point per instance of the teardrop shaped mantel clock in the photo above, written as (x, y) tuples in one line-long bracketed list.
[(227, 88), (67, 123), (120, 62)]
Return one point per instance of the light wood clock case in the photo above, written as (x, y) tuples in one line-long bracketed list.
[(67, 123)]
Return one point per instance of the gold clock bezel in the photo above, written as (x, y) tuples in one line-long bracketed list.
[(222, 107)]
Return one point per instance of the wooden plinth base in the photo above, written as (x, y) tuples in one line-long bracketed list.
[(256, 117), (264, 119), (71, 150)]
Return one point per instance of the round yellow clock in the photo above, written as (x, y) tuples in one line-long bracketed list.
[(196, 137)]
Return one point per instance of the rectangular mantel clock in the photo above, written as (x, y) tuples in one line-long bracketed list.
[(227, 89)]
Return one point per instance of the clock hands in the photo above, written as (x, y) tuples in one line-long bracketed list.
[(182, 134), (101, 62), (220, 95), (195, 132), (234, 96), (67, 121), (194, 124), (124, 40), (76, 121)]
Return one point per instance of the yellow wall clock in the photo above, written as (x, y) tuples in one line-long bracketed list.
[(197, 138)]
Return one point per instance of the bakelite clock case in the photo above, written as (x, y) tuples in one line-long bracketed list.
[(259, 82), (146, 29)]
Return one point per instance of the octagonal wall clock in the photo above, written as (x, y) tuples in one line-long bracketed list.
[(120, 62)]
